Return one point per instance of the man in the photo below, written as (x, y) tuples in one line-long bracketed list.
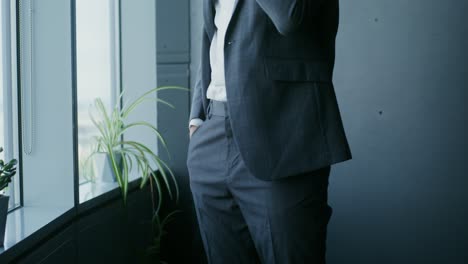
[(265, 129)]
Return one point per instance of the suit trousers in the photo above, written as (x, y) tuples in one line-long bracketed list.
[(243, 219)]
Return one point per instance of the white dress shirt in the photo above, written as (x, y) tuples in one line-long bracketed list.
[(217, 88)]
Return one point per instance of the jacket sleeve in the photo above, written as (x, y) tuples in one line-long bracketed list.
[(288, 15), (196, 110)]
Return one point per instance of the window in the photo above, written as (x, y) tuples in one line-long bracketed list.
[(98, 74), (8, 100), (47, 84)]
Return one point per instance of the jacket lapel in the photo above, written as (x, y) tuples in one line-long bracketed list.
[(209, 14), (234, 16)]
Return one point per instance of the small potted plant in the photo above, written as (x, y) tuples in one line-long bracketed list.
[(123, 154), (7, 171)]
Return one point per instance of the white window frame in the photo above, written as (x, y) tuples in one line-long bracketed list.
[(10, 98)]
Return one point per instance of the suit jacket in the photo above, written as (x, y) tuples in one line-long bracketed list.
[(279, 59)]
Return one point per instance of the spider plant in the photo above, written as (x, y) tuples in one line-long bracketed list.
[(159, 232), (111, 140), (7, 171)]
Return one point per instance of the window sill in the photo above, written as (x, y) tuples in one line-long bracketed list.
[(91, 190), (27, 226)]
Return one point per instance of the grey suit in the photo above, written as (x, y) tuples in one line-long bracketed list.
[(259, 173), (279, 59)]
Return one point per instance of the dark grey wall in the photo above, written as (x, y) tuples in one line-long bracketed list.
[(401, 80)]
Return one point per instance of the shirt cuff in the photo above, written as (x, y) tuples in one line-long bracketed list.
[(195, 122)]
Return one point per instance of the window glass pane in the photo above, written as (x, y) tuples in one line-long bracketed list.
[(2, 111), (8, 106), (95, 73)]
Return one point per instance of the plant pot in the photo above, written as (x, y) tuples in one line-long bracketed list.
[(103, 167), (3, 216)]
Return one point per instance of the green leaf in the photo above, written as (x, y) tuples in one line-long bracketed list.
[(153, 128), (158, 187)]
